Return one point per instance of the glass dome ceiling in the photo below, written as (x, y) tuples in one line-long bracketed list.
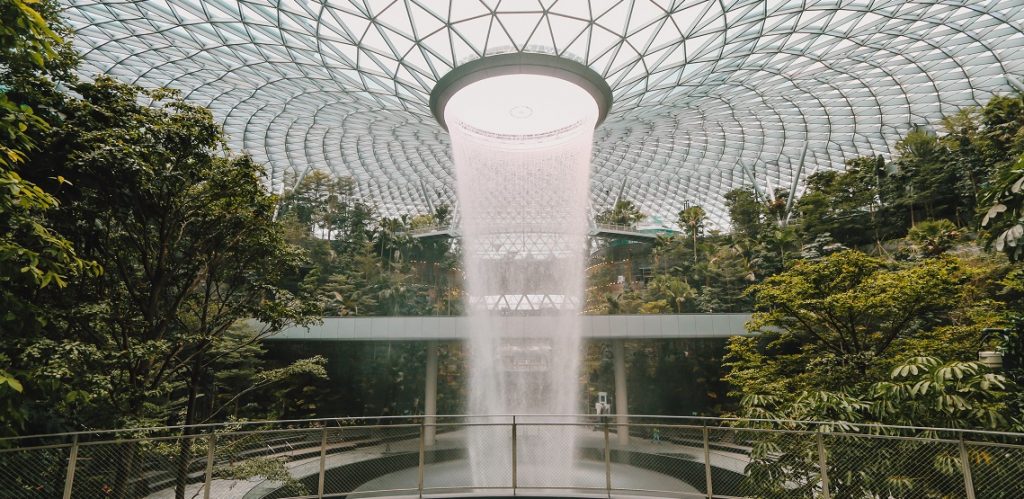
[(708, 94)]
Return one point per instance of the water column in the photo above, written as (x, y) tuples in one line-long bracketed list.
[(522, 147)]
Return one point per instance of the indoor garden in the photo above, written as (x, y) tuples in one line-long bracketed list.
[(759, 249)]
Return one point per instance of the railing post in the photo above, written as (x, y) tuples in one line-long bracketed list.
[(211, 444), (965, 465), (608, 458), (423, 437), (323, 463), (69, 478), (826, 493), (707, 462), (515, 477)]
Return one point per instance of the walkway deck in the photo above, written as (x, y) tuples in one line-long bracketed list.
[(253, 488)]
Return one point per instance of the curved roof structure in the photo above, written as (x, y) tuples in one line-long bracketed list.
[(708, 94)]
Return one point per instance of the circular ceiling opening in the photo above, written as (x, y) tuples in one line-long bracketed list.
[(520, 94), (521, 105)]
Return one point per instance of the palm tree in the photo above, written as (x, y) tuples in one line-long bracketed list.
[(674, 290), (692, 218)]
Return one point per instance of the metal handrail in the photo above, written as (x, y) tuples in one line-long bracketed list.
[(319, 446), (448, 228), (619, 227), (721, 420)]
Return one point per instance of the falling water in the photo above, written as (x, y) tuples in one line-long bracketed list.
[(522, 163)]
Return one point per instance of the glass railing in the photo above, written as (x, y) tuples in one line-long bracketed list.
[(418, 456)]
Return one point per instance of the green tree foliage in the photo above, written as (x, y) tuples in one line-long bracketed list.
[(933, 237), (1004, 217), (855, 207), (714, 268), (186, 236), (746, 213), (189, 244), (995, 143), (35, 56), (624, 212), (366, 264), (837, 321), (238, 386), (32, 255), (848, 338), (324, 203), (673, 291), (918, 391), (692, 219), (657, 370), (929, 179)]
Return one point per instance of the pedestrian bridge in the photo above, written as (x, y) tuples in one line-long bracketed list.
[(606, 231), (437, 329), (442, 328)]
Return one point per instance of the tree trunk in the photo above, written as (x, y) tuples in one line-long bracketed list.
[(124, 484), (123, 479), (185, 448), (694, 248)]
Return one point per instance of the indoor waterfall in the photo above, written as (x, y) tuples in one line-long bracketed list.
[(522, 149)]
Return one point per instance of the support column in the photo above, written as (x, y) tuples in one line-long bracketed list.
[(430, 395), (621, 409)]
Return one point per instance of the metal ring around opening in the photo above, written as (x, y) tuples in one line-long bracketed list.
[(520, 63)]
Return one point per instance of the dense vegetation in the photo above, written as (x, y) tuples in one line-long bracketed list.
[(873, 292), (136, 249), (883, 316), (133, 249), (142, 263)]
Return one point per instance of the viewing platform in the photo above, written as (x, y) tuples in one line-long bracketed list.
[(427, 456)]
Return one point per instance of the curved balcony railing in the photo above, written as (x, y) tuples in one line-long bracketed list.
[(615, 227), (424, 456)]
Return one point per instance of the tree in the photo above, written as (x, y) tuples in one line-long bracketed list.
[(930, 178), (933, 237), (1004, 218), (855, 207), (920, 391), (783, 240), (392, 240), (692, 220), (624, 212), (343, 297), (999, 141), (730, 271), (187, 236), (190, 244), (964, 129), (34, 55), (836, 322), (989, 144), (623, 303), (32, 255), (326, 205), (672, 290), (746, 213)]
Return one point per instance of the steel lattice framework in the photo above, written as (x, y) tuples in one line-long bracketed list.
[(708, 94)]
